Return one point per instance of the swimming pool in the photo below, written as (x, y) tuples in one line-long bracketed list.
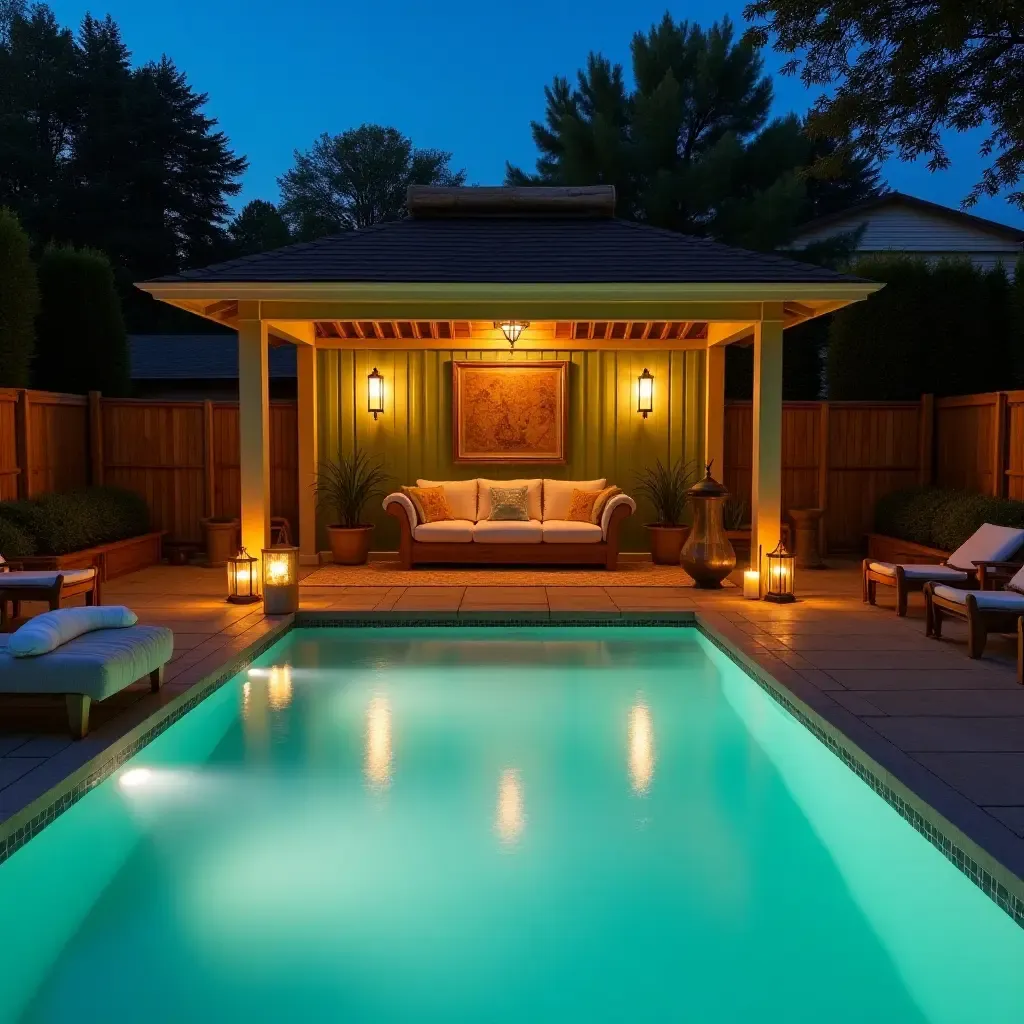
[(458, 824)]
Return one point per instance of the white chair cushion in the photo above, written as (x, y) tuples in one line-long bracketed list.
[(1017, 582), (610, 507), (533, 495), (989, 600), (507, 532), (447, 531), (47, 632), (987, 544), (43, 578), (558, 494), (461, 495), (562, 531), (406, 502), (918, 572)]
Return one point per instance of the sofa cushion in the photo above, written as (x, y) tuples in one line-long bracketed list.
[(562, 531), (558, 495), (431, 504), (581, 506), (602, 499), (533, 495), (496, 532), (447, 531), (508, 505), (461, 495)]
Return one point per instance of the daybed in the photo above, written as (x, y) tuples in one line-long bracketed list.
[(478, 534)]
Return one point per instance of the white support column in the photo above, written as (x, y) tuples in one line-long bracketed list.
[(308, 457), (766, 485), (254, 434), (714, 410)]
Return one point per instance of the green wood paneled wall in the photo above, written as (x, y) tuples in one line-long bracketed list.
[(607, 436)]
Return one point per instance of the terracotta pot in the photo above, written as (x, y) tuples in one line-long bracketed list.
[(221, 540), (350, 545), (666, 543)]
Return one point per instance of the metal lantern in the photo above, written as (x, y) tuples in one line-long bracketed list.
[(512, 329), (242, 588), (707, 554), (779, 585), (645, 393), (375, 393), (280, 580)]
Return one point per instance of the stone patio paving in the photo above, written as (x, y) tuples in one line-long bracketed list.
[(948, 728)]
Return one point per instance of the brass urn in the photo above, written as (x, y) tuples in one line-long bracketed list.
[(707, 554)]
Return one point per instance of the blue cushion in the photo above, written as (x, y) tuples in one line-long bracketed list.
[(48, 631)]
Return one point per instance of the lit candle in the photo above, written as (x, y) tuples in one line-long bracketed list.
[(751, 584)]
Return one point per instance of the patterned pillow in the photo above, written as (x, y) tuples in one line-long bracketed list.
[(430, 503), (508, 504), (581, 506), (602, 499)]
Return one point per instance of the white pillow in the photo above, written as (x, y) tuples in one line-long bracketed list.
[(1017, 583), (533, 494), (461, 495), (558, 495), (988, 543), (46, 632)]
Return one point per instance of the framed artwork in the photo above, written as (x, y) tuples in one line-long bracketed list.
[(510, 412)]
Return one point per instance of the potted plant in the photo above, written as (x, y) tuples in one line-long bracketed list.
[(343, 488), (665, 488), (221, 539)]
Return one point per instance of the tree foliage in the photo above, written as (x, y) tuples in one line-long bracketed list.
[(690, 146), (897, 73), (19, 301), (259, 227), (357, 179), (81, 343)]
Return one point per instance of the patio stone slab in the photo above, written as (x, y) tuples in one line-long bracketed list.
[(925, 679), (1012, 817), (952, 703), (939, 733), (985, 778)]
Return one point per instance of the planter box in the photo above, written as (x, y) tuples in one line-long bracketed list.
[(906, 552), (118, 558)]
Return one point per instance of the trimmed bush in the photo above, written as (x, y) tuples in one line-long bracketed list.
[(942, 518), (14, 541), (19, 301), (58, 524)]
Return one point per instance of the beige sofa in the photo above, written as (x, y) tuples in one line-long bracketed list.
[(547, 538)]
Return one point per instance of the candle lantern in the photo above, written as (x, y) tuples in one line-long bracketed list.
[(280, 580), (707, 554), (779, 587), (242, 588)]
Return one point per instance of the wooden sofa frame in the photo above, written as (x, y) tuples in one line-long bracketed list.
[(412, 552), (52, 594), (980, 622), (986, 576)]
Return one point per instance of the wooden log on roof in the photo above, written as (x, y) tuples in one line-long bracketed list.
[(511, 201)]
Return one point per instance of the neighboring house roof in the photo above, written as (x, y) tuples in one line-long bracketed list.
[(197, 357), (849, 219), (519, 249)]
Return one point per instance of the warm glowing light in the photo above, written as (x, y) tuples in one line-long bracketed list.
[(641, 747), (279, 687), (135, 777), (751, 584), (375, 393), (243, 578), (278, 571), (780, 575), (511, 817), (377, 765), (645, 393), (512, 329)]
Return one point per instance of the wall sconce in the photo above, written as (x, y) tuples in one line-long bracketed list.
[(242, 578), (374, 393), (780, 576), (280, 580), (512, 329), (645, 394)]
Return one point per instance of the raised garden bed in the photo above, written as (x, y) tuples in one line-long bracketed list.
[(906, 552), (118, 558)]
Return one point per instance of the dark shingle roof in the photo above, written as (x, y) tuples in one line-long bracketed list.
[(197, 357), (513, 250)]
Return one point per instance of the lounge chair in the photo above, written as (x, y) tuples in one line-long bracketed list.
[(977, 563), (91, 666), (984, 611), (53, 588)]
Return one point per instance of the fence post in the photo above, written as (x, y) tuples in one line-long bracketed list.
[(208, 464), (999, 445), (95, 439), (823, 450), (23, 443), (926, 439)]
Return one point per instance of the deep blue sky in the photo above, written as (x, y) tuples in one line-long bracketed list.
[(466, 77)]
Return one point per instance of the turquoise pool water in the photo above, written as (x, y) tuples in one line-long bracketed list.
[(494, 826)]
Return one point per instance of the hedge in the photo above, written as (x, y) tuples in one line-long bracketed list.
[(57, 524), (942, 518), (14, 541)]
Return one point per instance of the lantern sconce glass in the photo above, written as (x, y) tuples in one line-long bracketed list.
[(779, 586), (645, 393), (242, 580), (512, 329), (375, 393), (280, 580)]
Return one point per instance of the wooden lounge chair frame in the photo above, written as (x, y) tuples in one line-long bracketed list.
[(53, 594), (980, 622), (988, 576)]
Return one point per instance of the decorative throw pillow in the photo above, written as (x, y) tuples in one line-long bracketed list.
[(46, 632), (603, 497), (508, 504), (581, 506), (430, 503)]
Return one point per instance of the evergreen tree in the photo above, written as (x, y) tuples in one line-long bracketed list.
[(19, 301), (258, 228)]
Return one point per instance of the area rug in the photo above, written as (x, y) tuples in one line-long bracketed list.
[(390, 574)]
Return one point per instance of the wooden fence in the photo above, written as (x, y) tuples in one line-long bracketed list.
[(183, 456)]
